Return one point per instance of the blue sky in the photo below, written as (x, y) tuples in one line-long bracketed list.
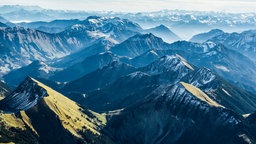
[(141, 5)]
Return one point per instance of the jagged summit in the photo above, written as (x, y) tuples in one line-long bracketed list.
[(24, 97), (169, 63)]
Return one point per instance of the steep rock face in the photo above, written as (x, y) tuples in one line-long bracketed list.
[(20, 46), (165, 33), (88, 65), (23, 40), (174, 115), (99, 78), (138, 45), (4, 90), (251, 121), (23, 98), (48, 116)]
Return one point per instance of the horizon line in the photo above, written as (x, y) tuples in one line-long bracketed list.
[(134, 12)]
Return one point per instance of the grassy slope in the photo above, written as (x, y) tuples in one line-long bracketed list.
[(200, 94), (72, 118)]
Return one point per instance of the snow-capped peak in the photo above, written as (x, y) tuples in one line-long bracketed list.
[(169, 63), (208, 46)]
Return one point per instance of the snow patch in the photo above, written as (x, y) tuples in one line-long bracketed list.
[(94, 21), (211, 53), (77, 26), (184, 61), (208, 45), (138, 74), (223, 68), (153, 52), (226, 92)]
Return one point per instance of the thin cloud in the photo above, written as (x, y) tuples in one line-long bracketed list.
[(141, 5)]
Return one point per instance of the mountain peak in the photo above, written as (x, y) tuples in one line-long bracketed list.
[(202, 37), (169, 64), (39, 108), (144, 36), (169, 60), (162, 27), (27, 94), (164, 32), (107, 23), (93, 17), (216, 31), (139, 44)]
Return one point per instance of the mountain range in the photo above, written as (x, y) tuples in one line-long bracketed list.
[(165, 70), (29, 45), (243, 42), (192, 99), (182, 22), (142, 49), (107, 79)]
